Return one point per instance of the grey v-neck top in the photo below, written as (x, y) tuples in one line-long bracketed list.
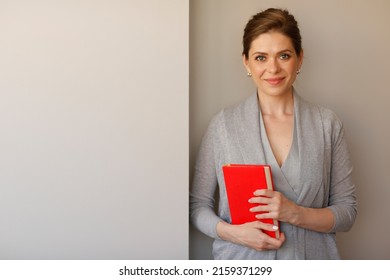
[(288, 171), (317, 173)]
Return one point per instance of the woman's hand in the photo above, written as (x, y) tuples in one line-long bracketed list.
[(274, 205), (250, 235)]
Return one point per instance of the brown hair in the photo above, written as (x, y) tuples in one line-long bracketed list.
[(272, 20)]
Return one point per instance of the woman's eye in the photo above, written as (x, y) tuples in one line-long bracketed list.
[(284, 56), (260, 58)]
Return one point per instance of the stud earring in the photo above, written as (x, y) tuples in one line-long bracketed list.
[(299, 71), (249, 74)]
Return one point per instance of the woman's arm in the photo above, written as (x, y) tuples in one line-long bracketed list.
[(277, 206), (204, 185), (250, 235), (342, 197)]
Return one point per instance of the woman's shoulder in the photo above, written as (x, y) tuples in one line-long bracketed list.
[(328, 117), (227, 118), (240, 109)]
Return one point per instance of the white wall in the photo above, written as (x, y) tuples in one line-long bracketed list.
[(93, 129), (346, 68)]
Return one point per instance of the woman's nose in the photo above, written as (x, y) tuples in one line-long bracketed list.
[(273, 66)]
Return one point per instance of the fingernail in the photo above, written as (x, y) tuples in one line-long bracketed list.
[(275, 227)]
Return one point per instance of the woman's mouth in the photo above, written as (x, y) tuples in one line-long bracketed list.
[(274, 81)]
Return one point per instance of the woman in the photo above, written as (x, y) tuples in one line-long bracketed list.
[(314, 194)]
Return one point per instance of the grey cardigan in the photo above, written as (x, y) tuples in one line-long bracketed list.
[(318, 175)]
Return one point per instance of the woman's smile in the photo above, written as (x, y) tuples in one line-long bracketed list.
[(275, 81)]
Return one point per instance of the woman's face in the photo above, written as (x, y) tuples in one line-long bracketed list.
[(273, 63)]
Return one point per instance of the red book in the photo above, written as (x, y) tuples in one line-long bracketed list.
[(241, 181)]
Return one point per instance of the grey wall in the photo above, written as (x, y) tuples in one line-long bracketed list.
[(93, 129), (346, 68)]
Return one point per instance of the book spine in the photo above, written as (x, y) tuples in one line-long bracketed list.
[(268, 179), (270, 186)]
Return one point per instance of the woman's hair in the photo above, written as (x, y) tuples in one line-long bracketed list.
[(272, 20)]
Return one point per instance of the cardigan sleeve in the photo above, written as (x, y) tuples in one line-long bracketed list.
[(342, 196), (204, 184)]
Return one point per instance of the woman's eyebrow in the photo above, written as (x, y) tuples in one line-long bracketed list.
[(259, 53), (265, 53), (286, 50)]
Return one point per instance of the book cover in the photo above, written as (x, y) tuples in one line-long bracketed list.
[(241, 181)]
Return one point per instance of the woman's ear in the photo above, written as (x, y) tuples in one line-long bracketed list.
[(246, 64), (300, 59)]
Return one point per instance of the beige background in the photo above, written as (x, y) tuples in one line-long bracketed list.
[(346, 68), (93, 129)]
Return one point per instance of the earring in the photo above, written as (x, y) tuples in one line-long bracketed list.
[(249, 74), (299, 71)]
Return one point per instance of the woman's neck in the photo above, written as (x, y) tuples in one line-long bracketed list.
[(276, 105)]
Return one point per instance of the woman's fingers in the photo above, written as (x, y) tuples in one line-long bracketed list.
[(277, 243), (264, 192), (263, 211), (265, 226), (267, 205), (260, 200), (254, 237)]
